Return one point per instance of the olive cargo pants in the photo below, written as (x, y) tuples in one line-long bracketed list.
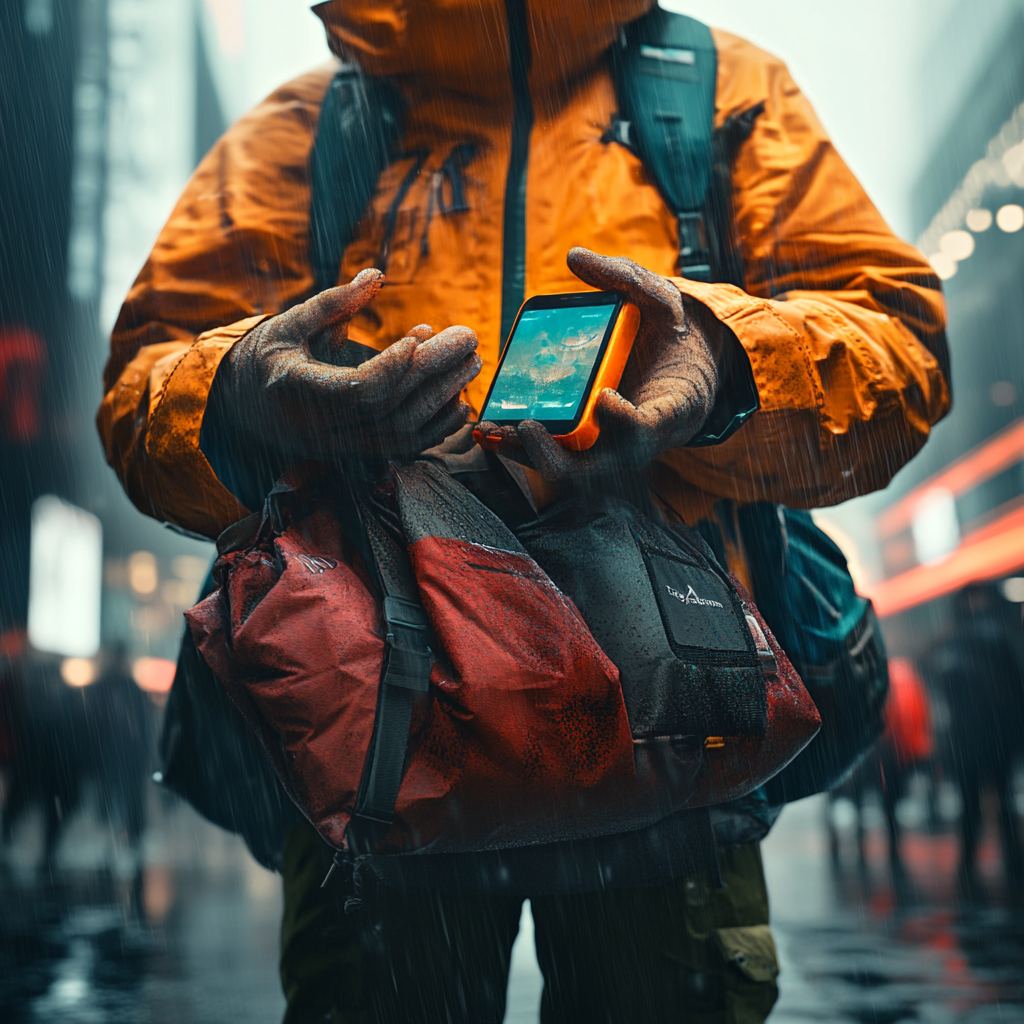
[(683, 952)]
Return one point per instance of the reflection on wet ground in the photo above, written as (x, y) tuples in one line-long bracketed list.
[(194, 938), (853, 949)]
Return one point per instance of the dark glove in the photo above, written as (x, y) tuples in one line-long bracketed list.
[(666, 393), (288, 393)]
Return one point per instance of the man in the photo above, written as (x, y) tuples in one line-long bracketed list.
[(977, 670), (223, 371)]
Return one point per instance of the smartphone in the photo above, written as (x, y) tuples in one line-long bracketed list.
[(563, 350)]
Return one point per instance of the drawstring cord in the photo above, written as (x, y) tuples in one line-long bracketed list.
[(355, 902), (390, 218), (451, 170)]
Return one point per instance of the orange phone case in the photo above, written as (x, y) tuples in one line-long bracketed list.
[(620, 344), (609, 373)]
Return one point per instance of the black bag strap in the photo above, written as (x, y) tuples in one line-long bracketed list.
[(665, 69), (406, 672)]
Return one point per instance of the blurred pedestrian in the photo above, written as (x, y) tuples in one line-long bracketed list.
[(13, 643), (904, 748), (119, 724), (50, 749), (982, 680)]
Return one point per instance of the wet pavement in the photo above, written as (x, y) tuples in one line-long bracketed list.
[(854, 950), (193, 938)]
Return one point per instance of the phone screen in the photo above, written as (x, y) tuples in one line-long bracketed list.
[(549, 363)]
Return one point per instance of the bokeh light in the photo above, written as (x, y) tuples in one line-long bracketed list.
[(957, 245), (1010, 218), (154, 675), (78, 672), (979, 219), (143, 576), (943, 265)]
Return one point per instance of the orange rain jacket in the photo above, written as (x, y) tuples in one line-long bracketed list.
[(840, 318)]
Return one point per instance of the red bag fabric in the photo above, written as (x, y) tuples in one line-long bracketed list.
[(294, 635)]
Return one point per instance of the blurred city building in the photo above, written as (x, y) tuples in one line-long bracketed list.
[(955, 515), (106, 108)]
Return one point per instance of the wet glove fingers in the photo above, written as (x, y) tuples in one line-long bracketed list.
[(445, 355), (332, 309), (648, 291), (447, 421), (424, 403)]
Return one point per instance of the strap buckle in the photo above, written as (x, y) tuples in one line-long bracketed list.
[(765, 654), (694, 256), (398, 611), (410, 657)]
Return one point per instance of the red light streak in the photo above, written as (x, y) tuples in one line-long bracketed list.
[(994, 551), (978, 465)]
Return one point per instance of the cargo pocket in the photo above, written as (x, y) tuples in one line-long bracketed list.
[(751, 950), (751, 967)]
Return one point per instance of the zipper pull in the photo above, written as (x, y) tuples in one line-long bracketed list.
[(330, 871)]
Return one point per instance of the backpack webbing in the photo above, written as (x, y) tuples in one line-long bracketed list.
[(359, 126), (665, 69)]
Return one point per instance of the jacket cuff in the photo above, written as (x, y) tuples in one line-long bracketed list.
[(767, 365), (177, 406), (737, 399)]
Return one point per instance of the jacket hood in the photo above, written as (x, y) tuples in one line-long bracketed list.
[(462, 45)]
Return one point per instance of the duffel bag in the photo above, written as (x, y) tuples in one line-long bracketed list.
[(421, 685)]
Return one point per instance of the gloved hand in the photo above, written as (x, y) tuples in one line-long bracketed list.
[(666, 393), (288, 391)]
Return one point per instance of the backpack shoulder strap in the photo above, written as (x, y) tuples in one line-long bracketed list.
[(360, 123), (665, 69)]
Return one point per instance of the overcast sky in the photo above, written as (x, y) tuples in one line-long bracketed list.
[(857, 62)]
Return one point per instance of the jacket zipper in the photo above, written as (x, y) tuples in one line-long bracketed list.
[(513, 250)]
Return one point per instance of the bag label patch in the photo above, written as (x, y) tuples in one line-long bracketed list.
[(695, 606), (690, 597)]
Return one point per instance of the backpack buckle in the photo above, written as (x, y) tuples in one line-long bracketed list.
[(398, 611), (694, 255), (765, 654)]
